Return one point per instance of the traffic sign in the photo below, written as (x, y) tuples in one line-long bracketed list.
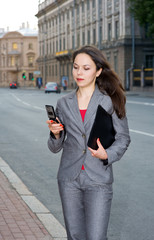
[(37, 72)]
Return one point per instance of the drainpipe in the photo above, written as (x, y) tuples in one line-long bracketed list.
[(133, 40), (133, 55)]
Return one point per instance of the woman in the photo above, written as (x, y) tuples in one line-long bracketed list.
[(85, 183)]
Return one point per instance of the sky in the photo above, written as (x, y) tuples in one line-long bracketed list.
[(15, 12)]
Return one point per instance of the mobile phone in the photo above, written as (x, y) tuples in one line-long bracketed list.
[(51, 112)]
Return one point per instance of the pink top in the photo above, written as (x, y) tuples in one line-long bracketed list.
[(83, 112)]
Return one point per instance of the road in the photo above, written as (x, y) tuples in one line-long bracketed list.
[(23, 145)]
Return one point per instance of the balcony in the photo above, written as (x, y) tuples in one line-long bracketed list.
[(14, 52), (45, 4)]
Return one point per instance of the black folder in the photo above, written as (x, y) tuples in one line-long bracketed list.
[(102, 128)]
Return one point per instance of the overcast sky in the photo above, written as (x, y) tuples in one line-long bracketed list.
[(15, 12)]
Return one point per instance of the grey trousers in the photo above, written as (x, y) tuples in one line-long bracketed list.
[(86, 208)]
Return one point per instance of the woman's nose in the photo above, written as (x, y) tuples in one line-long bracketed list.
[(79, 71)]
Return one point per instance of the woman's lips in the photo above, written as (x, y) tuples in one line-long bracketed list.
[(80, 79)]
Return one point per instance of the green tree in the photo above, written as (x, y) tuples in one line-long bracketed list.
[(143, 11)]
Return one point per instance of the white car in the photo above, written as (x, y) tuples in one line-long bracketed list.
[(52, 87)]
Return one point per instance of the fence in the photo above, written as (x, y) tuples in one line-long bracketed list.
[(143, 77)]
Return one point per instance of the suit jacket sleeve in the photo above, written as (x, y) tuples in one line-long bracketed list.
[(122, 139)]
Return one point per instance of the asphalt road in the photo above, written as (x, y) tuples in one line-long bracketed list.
[(23, 145)]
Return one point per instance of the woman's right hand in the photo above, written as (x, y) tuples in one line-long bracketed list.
[(55, 127)]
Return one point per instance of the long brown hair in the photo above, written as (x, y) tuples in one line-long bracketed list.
[(108, 81)]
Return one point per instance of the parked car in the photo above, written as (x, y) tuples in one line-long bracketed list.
[(52, 87), (13, 85)]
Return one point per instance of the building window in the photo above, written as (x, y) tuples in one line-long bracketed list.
[(109, 32), (15, 46), (78, 10), (56, 46), (73, 10), (108, 56), (30, 61), (93, 3), (82, 7), (100, 34), (53, 47), (88, 37), (94, 36), (149, 61), (52, 70), (100, 4), (56, 70), (83, 38), (50, 48), (88, 5), (49, 70), (59, 19), (46, 70), (116, 5), (73, 43), (116, 30), (68, 15), (31, 77), (78, 40), (12, 61), (116, 63), (30, 46), (64, 43), (60, 44)]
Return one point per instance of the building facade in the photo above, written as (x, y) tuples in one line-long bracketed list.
[(18, 55), (65, 25)]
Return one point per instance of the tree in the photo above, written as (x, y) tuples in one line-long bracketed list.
[(143, 11)]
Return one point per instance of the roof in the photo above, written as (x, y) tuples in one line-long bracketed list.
[(25, 32), (28, 32), (2, 34)]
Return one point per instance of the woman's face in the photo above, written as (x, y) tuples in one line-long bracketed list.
[(84, 70)]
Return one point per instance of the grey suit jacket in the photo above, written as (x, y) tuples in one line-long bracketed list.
[(74, 142)]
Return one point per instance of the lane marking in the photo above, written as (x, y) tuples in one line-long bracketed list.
[(141, 103), (27, 104), (143, 133), (133, 102)]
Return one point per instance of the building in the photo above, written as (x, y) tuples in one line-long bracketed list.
[(18, 54), (65, 25)]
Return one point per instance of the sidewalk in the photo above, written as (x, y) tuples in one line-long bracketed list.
[(17, 221), (22, 216)]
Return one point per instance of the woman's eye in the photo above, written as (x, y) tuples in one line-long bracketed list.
[(86, 69), (74, 67)]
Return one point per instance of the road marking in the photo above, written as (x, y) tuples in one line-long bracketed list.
[(143, 133), (141, 103), (53, 226), (133, 102), (27, 104)]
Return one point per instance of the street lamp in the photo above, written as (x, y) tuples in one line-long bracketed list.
[(44, 42)]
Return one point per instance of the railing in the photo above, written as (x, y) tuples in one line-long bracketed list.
[(143, 77)]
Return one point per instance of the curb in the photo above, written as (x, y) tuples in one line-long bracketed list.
[(52, 225)]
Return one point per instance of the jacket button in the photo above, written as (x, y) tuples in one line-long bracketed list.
[(84, 151), (83, 135)]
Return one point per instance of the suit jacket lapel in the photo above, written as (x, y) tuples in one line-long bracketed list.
[(74, 109), (92, 106)]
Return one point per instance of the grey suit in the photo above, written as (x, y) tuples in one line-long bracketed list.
[(75, 153)]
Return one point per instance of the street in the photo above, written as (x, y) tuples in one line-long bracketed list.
[(23, 145)]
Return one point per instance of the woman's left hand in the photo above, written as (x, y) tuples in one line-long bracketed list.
[(100, 152)]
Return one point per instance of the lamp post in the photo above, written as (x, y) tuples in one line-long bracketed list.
[(44, 58)]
